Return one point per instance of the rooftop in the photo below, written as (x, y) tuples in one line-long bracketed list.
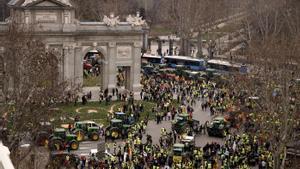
[(29, 2)]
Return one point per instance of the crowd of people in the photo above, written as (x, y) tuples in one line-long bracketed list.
[(173, 97)]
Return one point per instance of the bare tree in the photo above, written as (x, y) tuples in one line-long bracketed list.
[(273, 31), (94, 10), (34, 89), (192, 17)]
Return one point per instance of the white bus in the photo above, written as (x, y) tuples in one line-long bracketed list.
[(226, 66)]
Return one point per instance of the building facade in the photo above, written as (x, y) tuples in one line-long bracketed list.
[(119, 42)]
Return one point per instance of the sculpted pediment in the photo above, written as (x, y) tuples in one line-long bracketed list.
[(47, 3)]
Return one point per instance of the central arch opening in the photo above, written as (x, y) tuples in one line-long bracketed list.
[(93, 69)]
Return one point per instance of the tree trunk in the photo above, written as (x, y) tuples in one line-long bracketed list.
[(277, 163), (170, 47), (159, 50), (199, 45), (184, 47)]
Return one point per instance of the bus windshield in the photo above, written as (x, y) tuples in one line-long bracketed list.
[(223, 65)]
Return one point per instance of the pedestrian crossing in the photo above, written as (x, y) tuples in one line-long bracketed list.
[(85, 148)]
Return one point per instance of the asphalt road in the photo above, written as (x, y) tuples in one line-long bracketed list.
[(153, 129), (200, 140)]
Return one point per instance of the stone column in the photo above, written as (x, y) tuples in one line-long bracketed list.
[(59, 51), (145, 41), (27, 17), (78, 66), (68, 52), (135, 75), (111, 66), (128, 77)]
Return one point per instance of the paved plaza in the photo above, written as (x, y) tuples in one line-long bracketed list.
[(153, 129)]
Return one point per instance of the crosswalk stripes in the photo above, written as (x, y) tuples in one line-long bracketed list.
[(85, 148)]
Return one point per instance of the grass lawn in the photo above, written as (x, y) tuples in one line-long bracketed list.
[(94, 111), (91, 81), (147, 109)]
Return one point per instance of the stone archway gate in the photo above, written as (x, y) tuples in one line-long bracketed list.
[(54, 21)]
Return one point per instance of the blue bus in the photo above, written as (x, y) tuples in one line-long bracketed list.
[(151, 59), (186, 62), (175, 62), (225, 66)]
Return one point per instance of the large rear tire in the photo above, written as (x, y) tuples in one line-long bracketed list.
[(94, 136), (74, 145), (56, 145), (80, 135), (115, 133)]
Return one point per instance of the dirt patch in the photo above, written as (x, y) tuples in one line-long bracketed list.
[(92, 111), (111, 110)]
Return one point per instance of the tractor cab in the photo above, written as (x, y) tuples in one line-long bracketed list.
[(86, 128), (128, 120), (184, 116), (217, 127), (115, 129), (120, 115), (116, 123), (60, 132), (60, 137), (181, 118), (181, 123), (178, 153), (188, 142)]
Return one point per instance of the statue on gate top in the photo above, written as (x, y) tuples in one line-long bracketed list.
[(111, 21), (135, 20)]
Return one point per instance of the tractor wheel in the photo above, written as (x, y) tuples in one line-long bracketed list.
[(80, 135), (56, 145), (74, 145), (115, 133), (94, 136)]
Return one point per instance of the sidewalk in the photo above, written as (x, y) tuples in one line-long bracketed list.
[(95, 93)]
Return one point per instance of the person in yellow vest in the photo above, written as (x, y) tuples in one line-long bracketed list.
[(46, 143), (209, 166), (163, 131), (190, 165), (138, 141)]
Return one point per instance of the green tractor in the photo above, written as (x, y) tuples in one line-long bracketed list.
[(180, 152), (86, 128), (129, 120), (218, 127), (60, 138), (116, 129), (183, 123)]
